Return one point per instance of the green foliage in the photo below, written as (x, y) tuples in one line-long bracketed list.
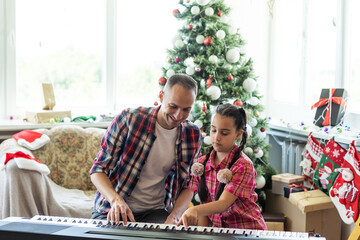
[(196, 56)]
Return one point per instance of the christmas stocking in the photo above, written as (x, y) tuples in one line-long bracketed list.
[(331, 159), (312, 155), (345, 191)]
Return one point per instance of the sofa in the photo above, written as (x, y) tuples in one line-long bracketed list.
[(67, 191)]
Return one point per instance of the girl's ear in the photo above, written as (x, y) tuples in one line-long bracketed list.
[(239, 134)]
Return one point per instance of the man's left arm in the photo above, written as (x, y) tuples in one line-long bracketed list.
[(181, 204)]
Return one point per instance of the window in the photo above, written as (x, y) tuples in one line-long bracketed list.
[(60, 42)]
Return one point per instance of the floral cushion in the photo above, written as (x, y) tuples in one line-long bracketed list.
[(69, 154)]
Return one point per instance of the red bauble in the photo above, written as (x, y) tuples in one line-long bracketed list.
[(190, 27), (208, 82), (219, 13), (162, 81), (207, 41), (230, 78), (204, 108), (175, 12), (262, 129), (256, 150), (238, 103), (156, 103)]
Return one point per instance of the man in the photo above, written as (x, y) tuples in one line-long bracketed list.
[(143, 163)]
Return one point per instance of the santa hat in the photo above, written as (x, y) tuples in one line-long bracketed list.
[(328, 167), (31, 139), (24, 161)]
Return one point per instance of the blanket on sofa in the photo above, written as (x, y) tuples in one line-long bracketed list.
[(26, 193)]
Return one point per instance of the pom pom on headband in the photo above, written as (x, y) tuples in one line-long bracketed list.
[(224, 175), (197, 169)]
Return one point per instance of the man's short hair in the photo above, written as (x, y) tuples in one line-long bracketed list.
[(183, 80)]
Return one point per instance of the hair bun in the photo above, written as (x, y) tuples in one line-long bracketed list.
[(224, 175)]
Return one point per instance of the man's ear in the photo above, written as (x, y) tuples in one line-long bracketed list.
[(161, 95)]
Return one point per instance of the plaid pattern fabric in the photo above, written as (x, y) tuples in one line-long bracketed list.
[(244, 213), (126, 146)]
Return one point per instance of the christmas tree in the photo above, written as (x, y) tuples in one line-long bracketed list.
[(211, 51)]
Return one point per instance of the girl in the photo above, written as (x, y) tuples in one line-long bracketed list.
[(225, 177)]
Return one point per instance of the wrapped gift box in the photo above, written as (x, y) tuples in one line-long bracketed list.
[(331, 107), (279, 181), (44, 116), (293, 188), (310, 211)]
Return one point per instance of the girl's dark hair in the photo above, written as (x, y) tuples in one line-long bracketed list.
[(239, 116)]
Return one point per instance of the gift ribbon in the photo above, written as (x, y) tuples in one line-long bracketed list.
[(297, 186), (331, 99)]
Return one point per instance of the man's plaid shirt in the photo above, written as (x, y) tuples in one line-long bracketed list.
[(126, 146)]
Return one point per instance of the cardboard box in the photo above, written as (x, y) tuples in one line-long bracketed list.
[(282, 180), (325, 220), (330, 112), (274, 221), (44, 116)]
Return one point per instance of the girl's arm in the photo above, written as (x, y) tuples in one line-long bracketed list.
[(191, 215)]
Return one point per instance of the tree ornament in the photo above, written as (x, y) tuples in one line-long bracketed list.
[(169, 73), (208, 82), (230, 77), (168, 60), (228, 66), (213, 59), (190, 71), (204, 108), (197, 198), (219, 13), (198, 123), (238, 103), (209, 11), (232, 56), (195, 10), (202, 2), (176, 12), (256, 150), (179, 43), (232, 30), (190, 27), (260, 182), (177, 60), (162, 81), (200, 39), (262, 129), (207, 41), (253, 101), (156, 103), (202, 83), (198, 69), (248, 129), (207, 140), (213, 92), (259, 154), (220, 34), (249, 85), (248, 150), (224, 19), (261, 135), (203, 134), (252, 122)]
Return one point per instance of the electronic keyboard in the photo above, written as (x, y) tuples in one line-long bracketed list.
[(50, 227)]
